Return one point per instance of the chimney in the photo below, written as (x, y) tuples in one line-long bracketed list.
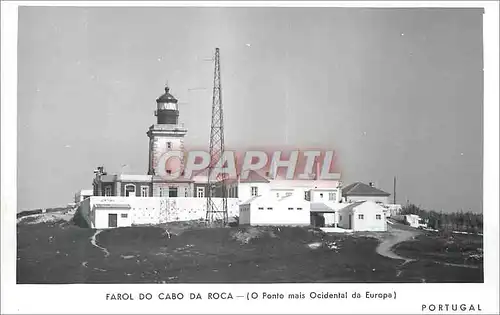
[(317, 169), (371, 184)]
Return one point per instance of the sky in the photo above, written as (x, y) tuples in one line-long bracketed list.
[(395, 92)]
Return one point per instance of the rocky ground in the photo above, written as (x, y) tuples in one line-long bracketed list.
[(56, 251)]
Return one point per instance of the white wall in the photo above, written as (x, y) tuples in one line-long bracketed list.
[(160, 146), (299, 187), (323, 195), (330, 218), (245, 190), (280, 193), (369, 210), (152, 210), (146, 210), (279, 215), (244, 218), (191, 208)]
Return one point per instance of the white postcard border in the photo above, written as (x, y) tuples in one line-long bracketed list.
[(92, 298)]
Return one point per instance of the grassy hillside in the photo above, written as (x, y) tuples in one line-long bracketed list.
[(445, 248), (59, 252)]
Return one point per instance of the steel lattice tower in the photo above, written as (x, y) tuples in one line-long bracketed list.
[(216, 212)]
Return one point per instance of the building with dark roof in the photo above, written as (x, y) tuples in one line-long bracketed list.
[(362, 192)]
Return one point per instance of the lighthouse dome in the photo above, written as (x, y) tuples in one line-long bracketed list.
[(166, 97)]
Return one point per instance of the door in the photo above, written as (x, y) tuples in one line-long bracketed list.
[(321, 220), (112, 220), (350, 221)]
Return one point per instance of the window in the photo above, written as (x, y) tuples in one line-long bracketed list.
[(200, 192), (107, 191), (361, 217), (124, 215), (306, 195), (144, 191), (172, 191), (340, 218), (321, 195), (378, 216), (255, 191), (288, 194), (129, 190), (299, 209), (290, 208), (169, 172), (331, 196), (186, 192), (277, 195), (261, 208), (269, 208), (169, 145)]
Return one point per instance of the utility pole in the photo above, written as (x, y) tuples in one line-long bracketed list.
[(394, 196), (216, 213)]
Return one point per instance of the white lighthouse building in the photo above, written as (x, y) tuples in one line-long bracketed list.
[(167, 134)]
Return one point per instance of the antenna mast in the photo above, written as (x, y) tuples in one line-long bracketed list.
[(394, 196), (216, 213)]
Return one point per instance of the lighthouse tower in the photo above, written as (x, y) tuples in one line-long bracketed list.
[(167, 134)]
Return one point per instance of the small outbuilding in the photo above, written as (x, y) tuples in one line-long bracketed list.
[(268, 211), (111, 215), (363, 216)]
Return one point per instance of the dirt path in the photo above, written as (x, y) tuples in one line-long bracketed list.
[(396, 236), (93, 241)]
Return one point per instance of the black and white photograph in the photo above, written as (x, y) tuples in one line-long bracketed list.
[(340, 146)]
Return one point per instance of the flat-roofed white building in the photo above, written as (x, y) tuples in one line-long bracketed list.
[(267, 210), (112, 215)]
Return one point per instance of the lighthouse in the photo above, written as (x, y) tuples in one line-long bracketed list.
[(167, 134)]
